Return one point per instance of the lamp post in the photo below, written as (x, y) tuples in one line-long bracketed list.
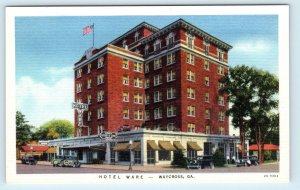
[(130, 164)]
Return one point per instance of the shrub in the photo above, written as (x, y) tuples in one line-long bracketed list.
[(179, 160), (218, 158)]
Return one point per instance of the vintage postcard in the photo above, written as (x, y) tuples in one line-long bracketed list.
[(137, 94)]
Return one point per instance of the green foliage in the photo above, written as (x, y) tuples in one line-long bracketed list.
[(218, 158), (54, 129), (23, 129), (179, 160)]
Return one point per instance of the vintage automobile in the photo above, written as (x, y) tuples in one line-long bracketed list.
[(30, 160), (66, 161), (247, 161), (201, 162)]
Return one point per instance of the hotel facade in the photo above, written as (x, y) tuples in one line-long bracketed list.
[(157, 91)]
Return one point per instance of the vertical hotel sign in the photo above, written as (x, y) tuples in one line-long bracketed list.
[(80, 107)]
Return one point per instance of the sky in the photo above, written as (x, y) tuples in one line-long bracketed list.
[(48, 47)]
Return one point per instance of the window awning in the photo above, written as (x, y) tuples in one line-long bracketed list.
[(152, 145), (51, 150), (121, 147), (135, 146), (178, 145), (166, 145), (194, 146)]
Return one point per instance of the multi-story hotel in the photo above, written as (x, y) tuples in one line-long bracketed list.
[(158, 89)]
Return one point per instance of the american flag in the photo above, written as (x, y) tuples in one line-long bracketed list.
[(87, 29)]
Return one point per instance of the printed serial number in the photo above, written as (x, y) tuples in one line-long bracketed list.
[(271, 175)]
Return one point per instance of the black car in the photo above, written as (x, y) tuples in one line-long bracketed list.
[(30, 160), (66, 161), (247, 161), (193, 164), (206, 161)]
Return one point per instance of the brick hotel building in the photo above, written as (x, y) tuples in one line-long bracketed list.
[(158, 90)]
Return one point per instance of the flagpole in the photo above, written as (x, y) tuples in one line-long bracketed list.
[(93, 34)]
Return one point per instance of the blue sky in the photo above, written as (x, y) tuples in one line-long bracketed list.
[(48, 47)]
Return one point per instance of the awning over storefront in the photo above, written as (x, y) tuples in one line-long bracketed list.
[(135, 146), (194, 146), (178, 145), (121, 147), (152, 145), (166, 145), (51, 150)]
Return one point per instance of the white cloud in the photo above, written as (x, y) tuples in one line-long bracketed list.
[(41, 102), (252, 46), (59, 71)]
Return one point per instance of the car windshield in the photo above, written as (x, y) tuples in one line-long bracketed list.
[(59, 157)]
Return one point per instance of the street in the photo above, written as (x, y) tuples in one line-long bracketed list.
[(46, 168)]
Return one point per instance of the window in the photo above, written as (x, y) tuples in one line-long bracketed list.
[(124, 156), (191, 154), (170, 40), (190, 40), (79, 100), (191, 127), (147, 68), (89, 83), (100, 96), (190, 58), (136, 36), (157, 96), (138, 82), (171, 126), (125, 96), (89, 131), (138, 115), (125, 64), (206, 97), (206, 48), (100, 62), (79, 132), (146, 50), (157, 80), (221, 100), (207, 114), (191, 111), (157, 64), (164, 155), (220, 70), (221, 130), (100, 129), (157, 113), (126, 79), (147, 83), (221, 116), (126, 114), (138, 67), (207, 129), (147, 99), (100, 79), (170, 58), (89, 116), (78, 87), (190, 76), (171, 75), (171, 93), (138, 98), (206, 81), (89, 66), (137, 157), (124, 44), (147, 115), (220, 55), (89, 99), (221, 85), (206, 65), (157, 45), (79, 73), (171, 111), (191, 93), (100, 113)]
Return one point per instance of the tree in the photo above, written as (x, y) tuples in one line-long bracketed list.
[(218, 158), (179, 160), (23, 129), (239, 84), (54, 129)]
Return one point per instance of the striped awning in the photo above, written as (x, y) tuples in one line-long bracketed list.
[(51, 150), (178, 145), (194, 146), (135, 146), (166, 145), (152, 145), (121, 147)]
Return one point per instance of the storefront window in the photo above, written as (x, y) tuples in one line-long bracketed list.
[(124, 156), (79, 155), (137, 157), (191, 154), (164, 155), (150, 156)]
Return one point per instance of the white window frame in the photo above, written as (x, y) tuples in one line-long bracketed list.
[(190, 58), (138, 98), (146, 49), (171, 59), (221, 100), (206, 47), (100, 96), (138, 82), (171, 111), (125, 98), (207, 114), (206, 81), (171, 126), (157, 113), (100, 62), (147, 115), (147, 67), (191, 127), (139, 114), (207, 129), (206, 98), (170, 39), (221, 116), (100, 114), (171, 93), (157, 63), (126, 79), (157, 80), (125, 63), (89, 99), (124, 117), (171, 76), (206, 65), (156, 44), (89, 116), (221, 130), (190, 75), (89, 83), (89, 68), (220, 70), (191, 93), (190, 38), (136, 36), (79, 73), (138, 67), (157, 96), (191, 111), (147, 99), (79, 87), (100, 79)]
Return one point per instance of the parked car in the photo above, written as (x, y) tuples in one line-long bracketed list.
[(30, 160), (247, 161), (201, 162), (66, 161)]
